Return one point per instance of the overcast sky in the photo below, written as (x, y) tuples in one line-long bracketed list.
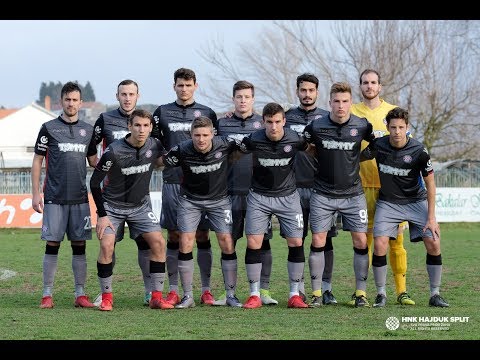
[(106, 52)]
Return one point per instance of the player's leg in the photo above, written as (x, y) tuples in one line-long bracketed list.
[(204, 259), (398, 264), (354, 215), (55, 221), (168, 220), (220, 215), (267, 262), (188, 215)]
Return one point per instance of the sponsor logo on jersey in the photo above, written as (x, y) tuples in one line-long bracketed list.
[(43, 139), (337, 145), (119, 134), (386, 169), (174, 127), (136, 169), (98, 130), (274, 162), (236, 137), (71, 147), (202, 169), (298, 128)]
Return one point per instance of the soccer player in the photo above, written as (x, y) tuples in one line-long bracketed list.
[(125, 198), (236, 126), (273, 192), (204, 161), (172, 125), (305, 166), (110, 126), (401, 160), (64, 143), (374, 109), (337, 188)]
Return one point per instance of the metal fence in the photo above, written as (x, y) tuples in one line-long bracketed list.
[(19, 181)]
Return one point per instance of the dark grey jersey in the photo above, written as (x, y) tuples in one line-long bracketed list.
[(65, 147), (239, 171), (110, 126), (273, 161), (205, 175), (172, 126), (400, 170), (305, 163), (337, 148), (129, 171)]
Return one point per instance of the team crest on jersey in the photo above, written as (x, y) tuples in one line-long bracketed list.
[(257, 125), (83, 132), (287, 148), (148, 154), (353, 132), (318, 117), (197, 113), (407, 159), (218, 155)]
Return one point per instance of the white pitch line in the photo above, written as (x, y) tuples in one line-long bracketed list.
[(6, 274)]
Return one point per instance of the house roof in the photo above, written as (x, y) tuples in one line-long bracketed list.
[(6, 112)]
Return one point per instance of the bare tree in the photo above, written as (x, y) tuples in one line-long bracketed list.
[(432, 68)]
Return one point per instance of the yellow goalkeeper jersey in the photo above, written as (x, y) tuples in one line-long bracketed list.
[(368, 168)]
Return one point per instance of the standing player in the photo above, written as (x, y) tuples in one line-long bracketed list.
[(129, 165), (64, 143), (172, 125), (401, 160), (110, 126), (305, 166), (236, 126), (337, 188), (375, 109), (204, 161), (273, 192)]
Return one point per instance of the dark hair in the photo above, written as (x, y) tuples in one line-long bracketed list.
[(184, 73), (243, 84), (70, 87), (272, 109), (127, 82), (307, 77), (142, 114), (202, 121), (370, 71), (340, 87), (397, 113)]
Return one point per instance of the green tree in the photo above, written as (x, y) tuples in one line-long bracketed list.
[(87, 92)]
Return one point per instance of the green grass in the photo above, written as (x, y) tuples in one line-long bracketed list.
[(21, 318)]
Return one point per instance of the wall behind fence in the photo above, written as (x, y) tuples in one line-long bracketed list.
[(452, 205)]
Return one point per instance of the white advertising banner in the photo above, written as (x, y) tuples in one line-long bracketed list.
[(458, 205), (452, 204)]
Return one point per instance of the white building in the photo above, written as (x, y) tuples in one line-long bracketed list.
[(18, 133)]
